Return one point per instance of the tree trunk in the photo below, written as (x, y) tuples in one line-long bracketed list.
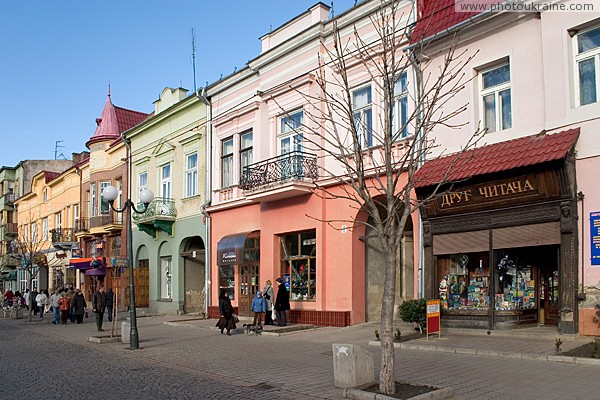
[(387, 379)]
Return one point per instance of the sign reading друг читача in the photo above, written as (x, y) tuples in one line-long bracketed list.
[(595, 237), (489, 191)]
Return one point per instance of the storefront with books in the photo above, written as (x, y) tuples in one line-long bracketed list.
[(500, 239)]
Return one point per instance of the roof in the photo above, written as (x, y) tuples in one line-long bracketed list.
[(114, 121), (49, 175), (503, 156), (434, 16)]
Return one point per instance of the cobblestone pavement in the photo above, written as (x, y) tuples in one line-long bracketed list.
[(190, 359)]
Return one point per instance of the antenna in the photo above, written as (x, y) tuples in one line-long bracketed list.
[(194, 57), (57, 146)]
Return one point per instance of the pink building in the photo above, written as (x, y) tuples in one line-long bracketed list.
[(267, 221), (516, 242)]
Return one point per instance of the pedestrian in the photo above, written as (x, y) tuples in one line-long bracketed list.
[(268, 296), (31, 301), (282, 303), (28, 301), (226, 309), (71, 294), (258, 308), (64, 304), (41, 300), (79, 306), (110, 301), (55, 306), (98, 306), (8, 297)]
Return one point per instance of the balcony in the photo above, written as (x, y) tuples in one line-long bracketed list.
[(9, 260), (106, 223), (9, 198), (82, 228), (63, 237), (160, 214), (276, 178), (9, 230)]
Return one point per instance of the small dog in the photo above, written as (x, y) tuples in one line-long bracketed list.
[(254, 329)]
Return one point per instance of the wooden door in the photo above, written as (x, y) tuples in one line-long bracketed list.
[(249, 285), (549, 295)]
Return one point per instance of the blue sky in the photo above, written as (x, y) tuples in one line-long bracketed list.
[(57, 58)]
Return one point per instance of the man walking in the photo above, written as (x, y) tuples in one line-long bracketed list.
[(55, 306), (98, 306), (110, 301)]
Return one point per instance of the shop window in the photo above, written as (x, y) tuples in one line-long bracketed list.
[(227, 279), (587, 59), (165, 278), (299, 263), (515, 284), (464, 281)]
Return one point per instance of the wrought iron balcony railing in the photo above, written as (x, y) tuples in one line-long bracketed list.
[(160, 209), (111, 218), (82, 225), (63, 235), (295, 165)]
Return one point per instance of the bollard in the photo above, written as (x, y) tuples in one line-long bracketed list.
[(352, 366), (125, 330)]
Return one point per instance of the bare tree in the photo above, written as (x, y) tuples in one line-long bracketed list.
[(370, 161), (28, 248)]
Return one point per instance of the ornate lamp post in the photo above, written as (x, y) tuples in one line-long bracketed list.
[(110, 193)]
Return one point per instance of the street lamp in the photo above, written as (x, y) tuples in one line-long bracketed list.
[(110, 193)]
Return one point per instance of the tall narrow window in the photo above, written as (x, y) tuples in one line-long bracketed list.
[(400, 108), (58, 221), (76, 216), (142, 182), (104, 206), (45, 194), (191, 175), (165, 181), (245, 150), (119, 200), (227, 163), (363, 115), (290, 143), (588, 66), (44, 229), (496, 98), (165, 277), (92, 204)]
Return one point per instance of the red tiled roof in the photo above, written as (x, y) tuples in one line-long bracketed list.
[(503, 156), (433, 16), (49, 175), (127, 119)]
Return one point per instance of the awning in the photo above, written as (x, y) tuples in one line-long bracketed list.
[(81, 263), (8, 276), (497, 157), (96, 271), (230, 249)]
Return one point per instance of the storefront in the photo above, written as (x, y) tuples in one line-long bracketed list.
[(500, 242)]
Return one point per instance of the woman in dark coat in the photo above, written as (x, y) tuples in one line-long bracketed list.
[(226, 320), (79, 305), (282, 303)]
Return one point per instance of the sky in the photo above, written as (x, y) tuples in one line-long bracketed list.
[(58, 57)]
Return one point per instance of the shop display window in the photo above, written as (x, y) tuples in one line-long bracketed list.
[(515, 284), (463, 281), (298, 252), (227, 279)]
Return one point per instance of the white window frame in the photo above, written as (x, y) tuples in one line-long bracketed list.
[(191, 175), (400, 115), (119, 199), (359, 114), (165, 182), (103, 205), (246, 151), (45, 228), (58, 220), (288, 132), (166, 277), (495, 90), (92, 204), (45, 194), (593, 54), (142, 182), (76, 216), (227, 163)]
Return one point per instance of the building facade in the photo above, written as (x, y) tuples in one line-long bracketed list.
[(168, 157)]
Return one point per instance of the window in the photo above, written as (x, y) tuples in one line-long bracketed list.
[(464, 281), (142, 182), (44, 229), (363, 115), (165, 181), (227, 163), (33, 238), (92, 205), (45, 194), (58, 221), (165, 277), (76, 216), (588, 65), (245, 150), (299, 264), (119, 200), (400, 108), (495, 98), (104, 206), (290, 142), (227, 279), (191, 175)]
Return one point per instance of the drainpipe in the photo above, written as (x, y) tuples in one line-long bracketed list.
[(582, 296), (201, 95)]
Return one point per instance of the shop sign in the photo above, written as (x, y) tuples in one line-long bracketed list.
[(76, 253), (595, 237), (119, 262), (433, 317), (488, 192), (228, 257)]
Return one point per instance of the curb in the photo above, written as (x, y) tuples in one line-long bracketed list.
[(439, 394), (104, 339), (494, 353)]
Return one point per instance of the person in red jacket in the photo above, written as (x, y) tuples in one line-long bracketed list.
[(64, 304)]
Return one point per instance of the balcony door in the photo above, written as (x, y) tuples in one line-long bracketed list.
[(165, 181), (290, 144)]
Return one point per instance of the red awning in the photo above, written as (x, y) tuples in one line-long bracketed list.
[(497, 157), (80, 263)]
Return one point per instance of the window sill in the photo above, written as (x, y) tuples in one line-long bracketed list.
[(165, 300), (190, 198)]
